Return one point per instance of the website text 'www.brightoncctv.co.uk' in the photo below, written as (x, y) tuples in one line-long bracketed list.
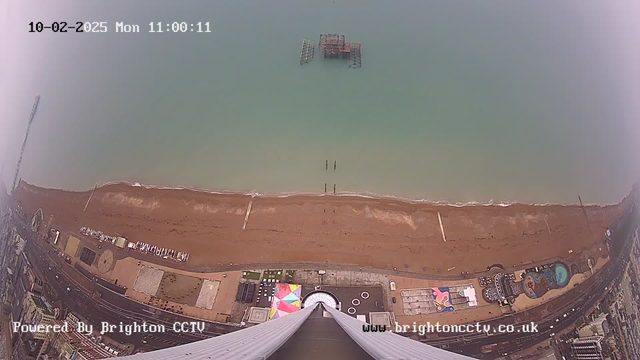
[(438, 328)]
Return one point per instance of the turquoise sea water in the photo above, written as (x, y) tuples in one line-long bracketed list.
[(456, 100)]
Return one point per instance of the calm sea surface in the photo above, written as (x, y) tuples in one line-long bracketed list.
[(456, 100)]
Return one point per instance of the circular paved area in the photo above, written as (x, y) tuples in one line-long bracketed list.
[(105, 261)]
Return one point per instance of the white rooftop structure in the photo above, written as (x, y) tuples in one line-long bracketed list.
[(470, 293), (263, 340), (320, 297)]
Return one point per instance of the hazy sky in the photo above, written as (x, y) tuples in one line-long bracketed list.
[(46, 63)]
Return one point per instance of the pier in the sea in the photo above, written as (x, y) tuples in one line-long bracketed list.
[(335, 46), (307, 52), (355, 55)]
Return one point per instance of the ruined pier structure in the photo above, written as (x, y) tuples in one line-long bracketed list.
[(335, 46), (307, 52)]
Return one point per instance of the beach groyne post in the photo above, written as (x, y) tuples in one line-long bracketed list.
[(325, 188), (246, 216), (444, 237), (335, 164), (90, 197), (334, 188), (547, 222), (326, 164)]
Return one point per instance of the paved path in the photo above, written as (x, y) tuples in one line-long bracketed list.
[(122, 253)]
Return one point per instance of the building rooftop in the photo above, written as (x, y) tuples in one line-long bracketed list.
[(87, 347), (40, 304), (587, 340)]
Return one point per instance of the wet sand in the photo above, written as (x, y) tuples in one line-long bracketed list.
[(381, 233)]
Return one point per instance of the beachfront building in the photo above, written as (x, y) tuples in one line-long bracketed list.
[(598, 327), (36, 312), (316, 329), (588, 348), (74, 345)]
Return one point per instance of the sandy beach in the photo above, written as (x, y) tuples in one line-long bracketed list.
[(381, 233)]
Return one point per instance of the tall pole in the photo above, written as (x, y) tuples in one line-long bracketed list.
[(24, 143), (585, 213), (4, 161)]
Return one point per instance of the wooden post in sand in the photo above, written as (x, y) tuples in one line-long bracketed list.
[(441, 227), (326, 164), (546, 222), (335, 163), (90, 197), (334, 188), (246, 216)]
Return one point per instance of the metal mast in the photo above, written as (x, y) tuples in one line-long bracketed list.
[(24, 143)]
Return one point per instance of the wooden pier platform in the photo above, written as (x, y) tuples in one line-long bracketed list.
[(307, 52)]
